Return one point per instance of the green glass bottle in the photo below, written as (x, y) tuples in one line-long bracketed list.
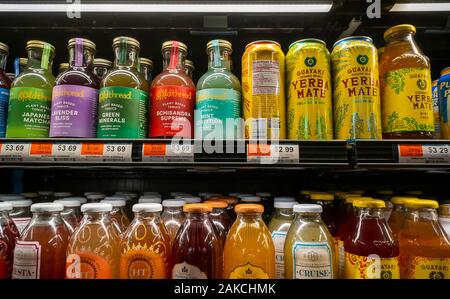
[(31, 94), (218, 104)]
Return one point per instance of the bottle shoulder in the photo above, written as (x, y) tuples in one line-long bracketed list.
[(124, 78), (219, 79), (34, 79), (172, 78), (78, 77)]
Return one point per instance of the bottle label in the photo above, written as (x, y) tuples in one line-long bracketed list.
[(265, 77), (218, 112), (27, 260), (74, 111), (122, 113), (312, 260), (171, 111), (428, 268), (87, 265), (370, 267), (21, 223), (187, 271), (249, 271), (4, 99), (407, 101), (142, 262), (29, 112), (278, 238)]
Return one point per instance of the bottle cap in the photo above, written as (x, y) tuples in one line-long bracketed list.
[(263, 41), (173, 203), (169, 44), (402, 27), (102, 62), (250, 199), (222, 44), (349, 198), (38, 44), (197, 208), (240, 195), (68, 203), (95, 196), (307, 208), (308, 40), (400, 200), (249, 208), (421, 203), (444, 210), (119, 196), (146, 61), (125, 39), (322, 196), (96, 207), (86, 43), (11, 197), (147, 207), (385, 192), (190, 199), (131, 195), (179, 193), (5, 206), (62, 194), (116, 203), (4, 48), (81, 199), (283, 199), (152, 193), (149, 199), (284, 204), (372, 203), (21, 203), (47, 207), (217, 204)]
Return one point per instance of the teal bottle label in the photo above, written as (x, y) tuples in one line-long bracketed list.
[(29, 112), (218, 114), (122, 113), (4, 98)]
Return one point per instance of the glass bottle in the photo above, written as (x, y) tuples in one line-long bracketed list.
[(40, 252), (119, 217), (189, 68), (20, 64), (63, 67), (31, 94), (101, 67), (371, 252), (398, 215), (220, 218), (444, 217), (146, 68), (249, 251), (70, 215), (5, 85), (424, 245), (172, 96), (406, 102), (21, 214), (173, 216), (8, 237), (150, 199), (309, 248), (328, 211), (93, 251), (266, 201), (278, 227), (123, 97), (75, 95), (197, 250), (218, 98), (145, 247)]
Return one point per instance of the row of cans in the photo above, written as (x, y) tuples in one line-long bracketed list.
[(328, 95), (441, 104)]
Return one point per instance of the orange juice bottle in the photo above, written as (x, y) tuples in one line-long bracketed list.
[(145, 247), (93, 251), (249, 251), (398, 215), (424, 246)]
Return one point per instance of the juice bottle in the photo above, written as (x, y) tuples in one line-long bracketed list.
[(424, 246), (5, 85), (370, 248), (220, 218), (406, 101), (93, 251), (444, 217), (101, 67), (249, 251), (173, 216), (328, 214), (40, 251), (118, 215), (71, 214), (398, 215), (8, 237), (189, 68), (123, 98), (278, 226), (146, 68), (386, 196), (172, 96), (21, 214), (309, 247), (31, 94), (197, 250), (145, 250), (218, 98), (75, 95)]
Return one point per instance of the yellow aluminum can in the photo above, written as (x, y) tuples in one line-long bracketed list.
[(263, 90)]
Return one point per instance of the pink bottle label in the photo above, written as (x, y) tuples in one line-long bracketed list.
[(74, 111)]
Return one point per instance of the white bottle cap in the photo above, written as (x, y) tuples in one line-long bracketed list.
[(62, 194), (95, 196), (116, 203), (283, 198), (21, 203), (190, 199), (173, 203), (81, 199), (119, 196), (11, 197), (68, 203), (147, 207), (251, 199), (284, 204), (47, 207), (149, 199), (5, 206), (307, 208), (96, 207)]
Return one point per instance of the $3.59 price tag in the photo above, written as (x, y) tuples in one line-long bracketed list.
[(160, 152), (273, 153), (428, 153)]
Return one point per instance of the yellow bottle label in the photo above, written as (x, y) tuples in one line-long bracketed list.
[(143, 262), (356, 91), (370, 267), (428, 268), (248, 271), (309, 93), (407, 101)]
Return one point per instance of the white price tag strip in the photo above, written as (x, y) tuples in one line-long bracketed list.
[(160, 152), (273, 153), (66, 151), (14, 151), (416, 153), (107, 152)]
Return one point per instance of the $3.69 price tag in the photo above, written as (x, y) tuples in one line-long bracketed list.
[(14, 151), (160, 152), (428, 153), (273, 153), (117, 152), (67, 151)]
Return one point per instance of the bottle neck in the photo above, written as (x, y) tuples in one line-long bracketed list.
[(284, 212), (309, 217), (82, 58), (146, 216), (174, 59), (197, 216), (370, 213), (126, 56), (36, 59), (219, 60), (47, 217), (96, 217), (425, 214), (173, 210), (249, 217)]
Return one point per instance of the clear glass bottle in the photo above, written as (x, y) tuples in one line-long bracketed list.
[(309, 246), (8, 237), (220, 218), (101, 67), (5, 85), (398, 215), (31, 94), (279, 226), (173, 216), (40, 252), (189, 68), (71, 214), (146, 68), (146, 245), (328, 214), (119, 217), (150, 199), (63, 67), (218, 98), (93, 251), (21, 214)]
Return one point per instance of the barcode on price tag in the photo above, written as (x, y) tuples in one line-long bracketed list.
[(67, 151), (160, 152), (107, 152), (429, 153), (14, 151), (273, 153)]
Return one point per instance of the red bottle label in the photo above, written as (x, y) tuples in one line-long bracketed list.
[(172, 111)]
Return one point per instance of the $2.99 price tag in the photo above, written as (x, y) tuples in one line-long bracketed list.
[(429, 153), (273, 153), (160, 152)]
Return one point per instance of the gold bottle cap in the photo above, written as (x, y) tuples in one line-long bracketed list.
[(38, 44), (63, 66), (397, 28), (263, 41), (373, 203), (222, 44), (421, 203), (127, 40), (168, 44), (86, 43), (4, 48), (189, 64), (322, 196), (23, 61), (103, 62), (146, 61)]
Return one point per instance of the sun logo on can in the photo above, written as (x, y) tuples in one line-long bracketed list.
[(362, 59), (310, 61), (422, 84)]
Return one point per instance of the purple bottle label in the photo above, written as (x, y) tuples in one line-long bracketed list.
[(74, 111)]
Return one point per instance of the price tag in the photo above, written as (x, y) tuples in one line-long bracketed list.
[(41, 152), (273, 153), (67, 151), (91, 152), (117, 152), (14, 151), (160, 152), (428, 153)]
